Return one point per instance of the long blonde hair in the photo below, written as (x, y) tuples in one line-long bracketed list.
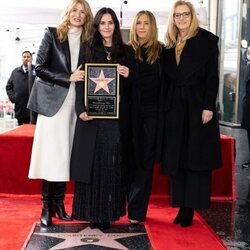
[(152, 44), (172, 30), (63, 27)]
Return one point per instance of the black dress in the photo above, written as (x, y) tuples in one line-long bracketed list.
[(102, 198)]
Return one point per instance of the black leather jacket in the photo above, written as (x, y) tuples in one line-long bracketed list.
[(53, 59), (53, 70)]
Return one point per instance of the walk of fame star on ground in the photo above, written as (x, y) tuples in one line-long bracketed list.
[(89, 236)]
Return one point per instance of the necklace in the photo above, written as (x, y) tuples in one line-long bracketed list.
[(108, 53), (180, 41)]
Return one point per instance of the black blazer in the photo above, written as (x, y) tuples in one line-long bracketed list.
[(135, 111), (53, 69)]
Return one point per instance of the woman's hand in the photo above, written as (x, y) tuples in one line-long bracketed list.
[(207, 116), (123, 70), (84, 116), (77, 75)]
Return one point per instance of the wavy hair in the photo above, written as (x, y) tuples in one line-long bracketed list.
[(154, 47), (63, 27), (96, 40), (172, 30)]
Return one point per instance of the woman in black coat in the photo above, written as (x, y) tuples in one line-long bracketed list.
[(99, 148), (191, 146), (145, 109)]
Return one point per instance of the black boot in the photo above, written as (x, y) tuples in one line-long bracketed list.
[(47, 191), (59, 194), (45, 219), (179, 216), (187, 219)]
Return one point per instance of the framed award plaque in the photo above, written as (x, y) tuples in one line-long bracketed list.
[(102, 90)]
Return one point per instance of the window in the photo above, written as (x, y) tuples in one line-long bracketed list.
[(229, 56)]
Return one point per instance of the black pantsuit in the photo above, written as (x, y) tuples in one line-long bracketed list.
[(145, 110)]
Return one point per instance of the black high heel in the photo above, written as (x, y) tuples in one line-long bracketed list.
[(59, 209), (187, 219), (46, 220), (178, 218)]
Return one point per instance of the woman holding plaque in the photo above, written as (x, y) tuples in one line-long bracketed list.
[(145, 103), (99, 148), (53, 98)]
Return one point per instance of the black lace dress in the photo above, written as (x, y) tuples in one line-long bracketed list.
[(103, 199)]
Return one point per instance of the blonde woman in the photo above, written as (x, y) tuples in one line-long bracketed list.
[(145, 106), (58, 70), (191, 148)]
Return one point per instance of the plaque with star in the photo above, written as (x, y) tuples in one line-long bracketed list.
[(102, 90)]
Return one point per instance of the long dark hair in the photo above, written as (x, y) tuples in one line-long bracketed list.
[(96, 40)]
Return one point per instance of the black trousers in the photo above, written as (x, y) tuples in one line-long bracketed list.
[(141, 185), (191, 189), (22, 121)]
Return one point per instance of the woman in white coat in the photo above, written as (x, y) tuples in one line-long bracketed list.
[(58, 69)]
